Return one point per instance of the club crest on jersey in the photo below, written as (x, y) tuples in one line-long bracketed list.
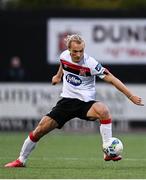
[(82, 72), (74, 80), (65, 66)]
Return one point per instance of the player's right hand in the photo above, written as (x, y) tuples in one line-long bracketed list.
[(56, 80)]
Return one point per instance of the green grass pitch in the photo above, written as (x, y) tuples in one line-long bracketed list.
[(73, 156)]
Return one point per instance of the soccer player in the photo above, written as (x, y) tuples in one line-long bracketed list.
[(79, 71)]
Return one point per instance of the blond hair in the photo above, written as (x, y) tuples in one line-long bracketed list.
[(74, 38)]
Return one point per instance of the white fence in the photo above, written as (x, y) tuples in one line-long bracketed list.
[(31, 101)]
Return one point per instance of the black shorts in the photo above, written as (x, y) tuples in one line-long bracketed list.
[(68, 108)]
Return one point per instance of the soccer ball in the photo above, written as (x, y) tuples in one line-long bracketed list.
[(113, 147)]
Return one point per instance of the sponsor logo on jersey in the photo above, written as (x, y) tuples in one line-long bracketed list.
[(74, 80)]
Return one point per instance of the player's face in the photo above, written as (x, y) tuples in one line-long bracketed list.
[(76, 51)]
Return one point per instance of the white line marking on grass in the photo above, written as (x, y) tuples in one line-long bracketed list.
[(88, 158), (73, 158), (134, 159)]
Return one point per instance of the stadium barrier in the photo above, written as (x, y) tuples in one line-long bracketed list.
[(23, 104)]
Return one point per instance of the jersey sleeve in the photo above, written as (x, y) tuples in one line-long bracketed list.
[(64, 55), (61, 56), (97, 69)]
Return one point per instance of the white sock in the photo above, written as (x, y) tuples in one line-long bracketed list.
[(106, 132), (27, 147)]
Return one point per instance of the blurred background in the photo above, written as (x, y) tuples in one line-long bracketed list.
[(31, 39)]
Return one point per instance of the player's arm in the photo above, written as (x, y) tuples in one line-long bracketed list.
[(57, 78), (109, 77)]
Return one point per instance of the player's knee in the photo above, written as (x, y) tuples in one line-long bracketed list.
[(101, 110), (105, 114)]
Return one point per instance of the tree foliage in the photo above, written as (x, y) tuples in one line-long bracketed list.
[(82, 4)]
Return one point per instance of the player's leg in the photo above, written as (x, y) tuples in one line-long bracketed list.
[(45, 125), (100, 111)]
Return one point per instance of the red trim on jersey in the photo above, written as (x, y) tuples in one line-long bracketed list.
[(74, 66), (31, 136), (105, 121)]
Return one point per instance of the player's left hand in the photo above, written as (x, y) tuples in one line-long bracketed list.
[(137, 100)]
